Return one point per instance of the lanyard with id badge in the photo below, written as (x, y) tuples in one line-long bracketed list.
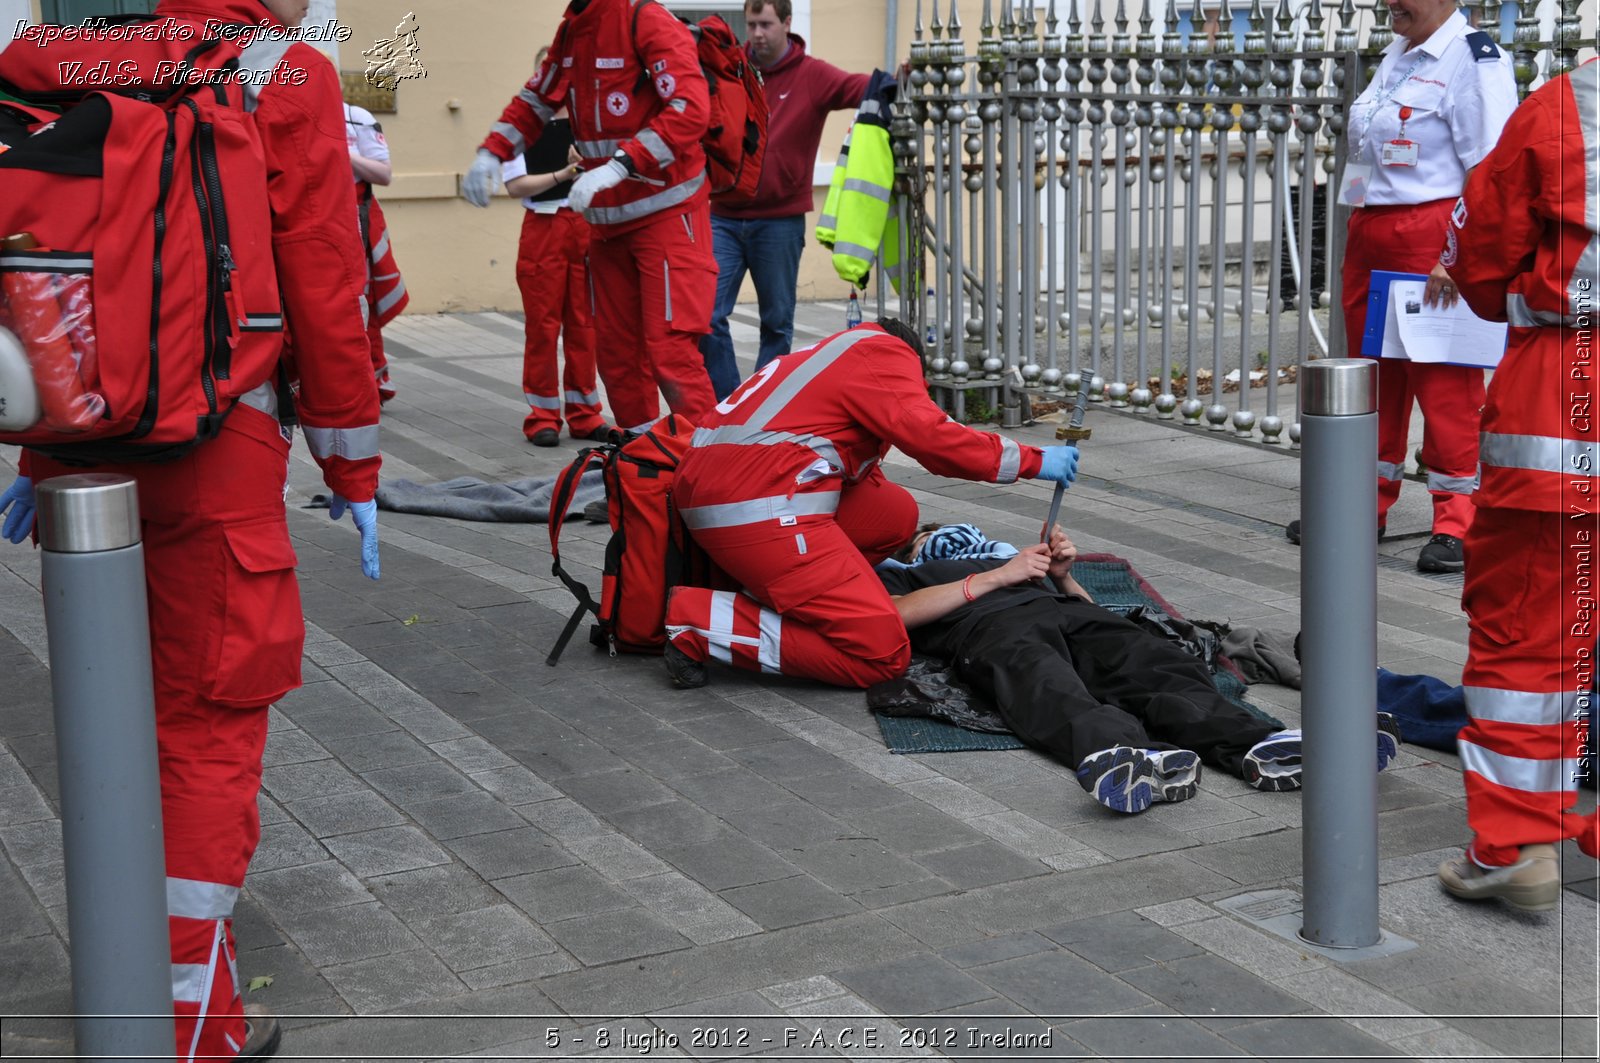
[(1396, 152)]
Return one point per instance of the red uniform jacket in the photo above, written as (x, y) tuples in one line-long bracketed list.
[(814, 421), (641, 96), (1524, 248)]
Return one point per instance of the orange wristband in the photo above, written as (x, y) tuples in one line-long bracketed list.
[(966, 588)]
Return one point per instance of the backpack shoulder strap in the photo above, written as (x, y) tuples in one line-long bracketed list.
[(560, 501)]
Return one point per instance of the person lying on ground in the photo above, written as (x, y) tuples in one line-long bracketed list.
[(1133, 713)]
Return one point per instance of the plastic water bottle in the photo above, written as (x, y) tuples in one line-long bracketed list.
[(852, 311)]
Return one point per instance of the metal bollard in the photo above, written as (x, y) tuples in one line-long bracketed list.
[(98, 631), (1339, 598)]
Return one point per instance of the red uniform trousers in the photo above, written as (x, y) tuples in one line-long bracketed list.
[(380, 362), (1408, 239), (812, 605), (226, 633), (553, 275), (1529, 679), (653, 291)]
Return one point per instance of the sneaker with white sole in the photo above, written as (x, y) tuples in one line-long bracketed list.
[(1388, 739), (1532, 884), (1130, 780), (1273, 764)]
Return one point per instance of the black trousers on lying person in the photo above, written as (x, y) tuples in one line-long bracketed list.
[(1072, 678)]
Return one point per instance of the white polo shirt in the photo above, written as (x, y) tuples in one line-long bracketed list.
[(1459, 102), (363, 135)]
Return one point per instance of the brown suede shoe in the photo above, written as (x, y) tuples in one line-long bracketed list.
[(262, 1033), (1532, 884)]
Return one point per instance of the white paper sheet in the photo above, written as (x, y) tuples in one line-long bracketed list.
[(1425, 333)]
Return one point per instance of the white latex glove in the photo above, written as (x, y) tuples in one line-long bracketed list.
[(478, 185), (585, 188)]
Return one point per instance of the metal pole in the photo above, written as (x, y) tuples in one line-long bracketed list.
[(97, 625), (1339, 654)]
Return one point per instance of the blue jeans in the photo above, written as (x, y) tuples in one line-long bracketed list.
[(770, 249)]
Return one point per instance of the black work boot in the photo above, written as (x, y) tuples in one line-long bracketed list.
[(686, 672), (1442, 554)]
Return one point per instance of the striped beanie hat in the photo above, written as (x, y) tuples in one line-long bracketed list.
[(960, 542)]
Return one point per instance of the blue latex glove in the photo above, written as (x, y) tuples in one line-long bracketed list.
[(1060, 464), (365, 514), (18, 498)]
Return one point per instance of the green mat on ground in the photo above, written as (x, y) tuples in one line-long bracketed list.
[(1114, 584)]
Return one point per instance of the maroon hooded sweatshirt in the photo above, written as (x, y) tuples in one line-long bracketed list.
[(801, 90)]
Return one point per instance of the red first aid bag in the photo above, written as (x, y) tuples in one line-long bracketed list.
[(650, 550), (735, 140), (137, 270)]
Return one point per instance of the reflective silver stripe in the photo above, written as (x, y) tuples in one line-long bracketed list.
[(1521, 706), (739, 435), (189, 983), (669, 197), (844, 247), (542, 402), (263, 323), (189, 898), (259, 56), (1010, 462), (352, 444), (1566, 457), (771, 652), (512, 134), (263, 397), (380, 248), (1584, 84), (1388, 470), (582, 398), (720, 638), (757, 510), (597, 149), (1455, 485), (1519, 773), (656, 147), (22, 262), (866, 188), (678, 104), (1520, 315), (533, 99), (870, 106), (388, 301), (666, 286), (828, 221), (809, 370)]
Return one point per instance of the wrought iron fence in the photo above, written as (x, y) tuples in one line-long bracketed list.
[(1139, 203)]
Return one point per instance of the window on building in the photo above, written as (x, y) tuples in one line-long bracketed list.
[(730, 11), (69, 12)]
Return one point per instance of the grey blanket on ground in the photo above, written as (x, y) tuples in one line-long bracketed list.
[(519, 501), (1263, 656)]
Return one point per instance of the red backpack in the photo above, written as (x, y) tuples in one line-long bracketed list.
[(735, 141), (139, 285), (650, 550)]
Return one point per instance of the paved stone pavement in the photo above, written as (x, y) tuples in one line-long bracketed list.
[(466, 853)]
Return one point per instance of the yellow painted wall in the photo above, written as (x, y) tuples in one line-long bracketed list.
[(477, 54)]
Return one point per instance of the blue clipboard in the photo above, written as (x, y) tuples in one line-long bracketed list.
[(1378, 316), (1378, 309)]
